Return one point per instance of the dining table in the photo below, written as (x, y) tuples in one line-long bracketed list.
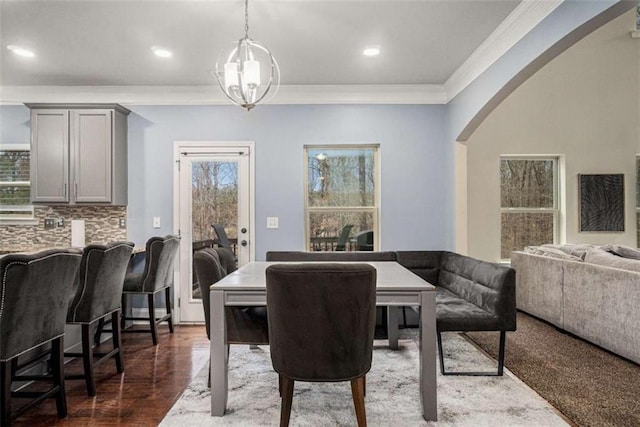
[(395, 286)]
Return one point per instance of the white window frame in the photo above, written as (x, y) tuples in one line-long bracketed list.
[(28, 218), (556, 209), (374, 210)]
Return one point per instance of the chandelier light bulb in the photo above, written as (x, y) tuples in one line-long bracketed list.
[(247, 73)]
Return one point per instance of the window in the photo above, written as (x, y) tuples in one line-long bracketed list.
[(341, 203), (15, 186), (529, 203)]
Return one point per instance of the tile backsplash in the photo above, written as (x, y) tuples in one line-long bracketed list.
[(102, 224)]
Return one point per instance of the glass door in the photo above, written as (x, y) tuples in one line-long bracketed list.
[(214, 189)]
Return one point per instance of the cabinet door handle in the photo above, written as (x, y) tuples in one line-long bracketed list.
[(65, 190), (75, 190)]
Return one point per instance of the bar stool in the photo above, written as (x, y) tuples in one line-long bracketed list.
[(98, 294), (161, 253), (34, 291)]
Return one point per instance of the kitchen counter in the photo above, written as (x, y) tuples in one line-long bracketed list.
[(4, 250)]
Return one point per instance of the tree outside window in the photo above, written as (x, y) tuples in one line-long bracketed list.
[(341, 203), (529, 207), (15, 184)]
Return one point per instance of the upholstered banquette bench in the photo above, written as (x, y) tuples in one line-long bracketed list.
[(471, 295)]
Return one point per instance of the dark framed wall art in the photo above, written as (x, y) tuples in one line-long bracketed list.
[(601, 202)]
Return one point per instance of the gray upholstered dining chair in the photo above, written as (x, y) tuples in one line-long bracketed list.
[(321, 326), (98, 293), (245, 325), (34, 290), (160, 257)]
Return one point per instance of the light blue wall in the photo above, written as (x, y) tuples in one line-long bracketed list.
[(414, 165)]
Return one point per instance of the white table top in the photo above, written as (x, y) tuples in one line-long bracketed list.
[(391, 276)]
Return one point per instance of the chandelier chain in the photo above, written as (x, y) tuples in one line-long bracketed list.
[(246, 18)]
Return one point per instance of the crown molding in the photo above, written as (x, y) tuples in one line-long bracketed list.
[(516, 25), (212, 95)]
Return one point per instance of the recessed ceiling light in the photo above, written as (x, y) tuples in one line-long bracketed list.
[(371, 51), (161, 52), (21, 51)]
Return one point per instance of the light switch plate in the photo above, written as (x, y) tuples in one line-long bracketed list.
[(272, 222), (123, 222), (156, 222)]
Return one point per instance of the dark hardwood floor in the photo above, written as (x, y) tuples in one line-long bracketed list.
[(154, 378)]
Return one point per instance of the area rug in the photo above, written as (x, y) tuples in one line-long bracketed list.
[(392, 393)]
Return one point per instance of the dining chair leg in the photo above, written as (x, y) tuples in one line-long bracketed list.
[(87, 359), (5, 388), (357, 391), (152, 318), (287, 398), (117, 341), (57, 370), (167, 298)]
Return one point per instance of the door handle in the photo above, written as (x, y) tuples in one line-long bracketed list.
[(243, 243)]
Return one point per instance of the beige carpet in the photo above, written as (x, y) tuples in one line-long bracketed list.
[(589, 385)]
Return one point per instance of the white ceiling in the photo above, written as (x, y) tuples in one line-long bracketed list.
[(108, 43)]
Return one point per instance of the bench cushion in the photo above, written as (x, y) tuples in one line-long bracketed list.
[(491, 287), (425, 264), (457, 314)]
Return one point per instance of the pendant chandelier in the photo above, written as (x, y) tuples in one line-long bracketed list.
[(247, 73)]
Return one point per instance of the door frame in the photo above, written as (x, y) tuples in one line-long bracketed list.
[(178, 147)]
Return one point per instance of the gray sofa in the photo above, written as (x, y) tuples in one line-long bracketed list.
[(594, 295), (471, 295)]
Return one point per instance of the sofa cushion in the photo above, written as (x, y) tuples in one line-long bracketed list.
[(575, 249), (551, 253), (623, 251), (457, 314), (602, 257)]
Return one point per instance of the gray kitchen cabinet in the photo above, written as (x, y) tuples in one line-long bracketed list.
[(79, 154)]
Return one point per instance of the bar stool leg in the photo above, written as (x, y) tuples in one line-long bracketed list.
[(152, 318), (57, 368), (5, 387), (167, 298), (87, 359), (123, 322), (117, 341)]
